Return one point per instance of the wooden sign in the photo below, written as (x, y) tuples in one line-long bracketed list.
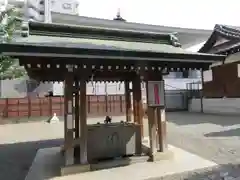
[(156, 95)]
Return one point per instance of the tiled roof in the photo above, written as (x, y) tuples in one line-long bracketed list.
[(230, 33), (104, 44)]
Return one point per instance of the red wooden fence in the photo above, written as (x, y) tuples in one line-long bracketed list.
[(97, 105)]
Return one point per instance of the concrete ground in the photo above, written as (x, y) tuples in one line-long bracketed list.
[(48, 160), (212, 137)]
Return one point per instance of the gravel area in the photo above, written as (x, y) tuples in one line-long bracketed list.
[(212, 137)]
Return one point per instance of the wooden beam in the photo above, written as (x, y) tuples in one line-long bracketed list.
[(201, 95), (137, 102), (42, 68), (83, 122), (68, 121), (77, 118), (152, 132), (161, 122), (77, 115), (128, 102)]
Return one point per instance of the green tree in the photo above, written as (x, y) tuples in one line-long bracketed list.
[(9, 22)]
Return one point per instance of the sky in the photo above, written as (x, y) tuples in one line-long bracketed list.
[(196, 14), (200, 14)]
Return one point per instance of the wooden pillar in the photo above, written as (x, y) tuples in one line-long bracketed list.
[(83, 122), (68, 120), (201, 95), (77, 118), (137, 102), (152, 128), (128, 101), (161, 130), (157, 135)]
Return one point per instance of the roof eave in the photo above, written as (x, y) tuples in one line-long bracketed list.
[(51, 51), (188, 59)]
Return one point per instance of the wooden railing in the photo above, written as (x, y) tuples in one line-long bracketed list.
[(97, 105)]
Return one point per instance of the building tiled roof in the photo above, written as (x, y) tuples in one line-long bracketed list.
[(231, 35), (108, 45)]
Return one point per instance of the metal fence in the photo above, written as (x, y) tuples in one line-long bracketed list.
[(194, 90), (176, 100)]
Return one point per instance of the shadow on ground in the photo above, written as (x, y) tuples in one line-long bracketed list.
[(219, 172), (15, 159), (189, 118), (226, 133)]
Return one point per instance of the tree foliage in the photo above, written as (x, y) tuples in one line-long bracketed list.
[(9, 23)]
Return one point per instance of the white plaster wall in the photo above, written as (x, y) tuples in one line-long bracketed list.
[(93, 88), (13, 88), (17, 88), (238, 69), (118, 88), (230, 59), (207, 76), (218, 105), (194, 105)]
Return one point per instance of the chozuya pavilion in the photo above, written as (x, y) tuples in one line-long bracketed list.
[(78, 54)]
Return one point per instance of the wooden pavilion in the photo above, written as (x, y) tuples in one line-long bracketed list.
[(81, 54)]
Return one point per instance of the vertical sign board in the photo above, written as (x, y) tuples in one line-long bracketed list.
[(156, 93)]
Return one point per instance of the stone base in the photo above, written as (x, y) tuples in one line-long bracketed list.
[(47, 163), (74, 169), (118, 162), (168, 154), (159, 156)]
